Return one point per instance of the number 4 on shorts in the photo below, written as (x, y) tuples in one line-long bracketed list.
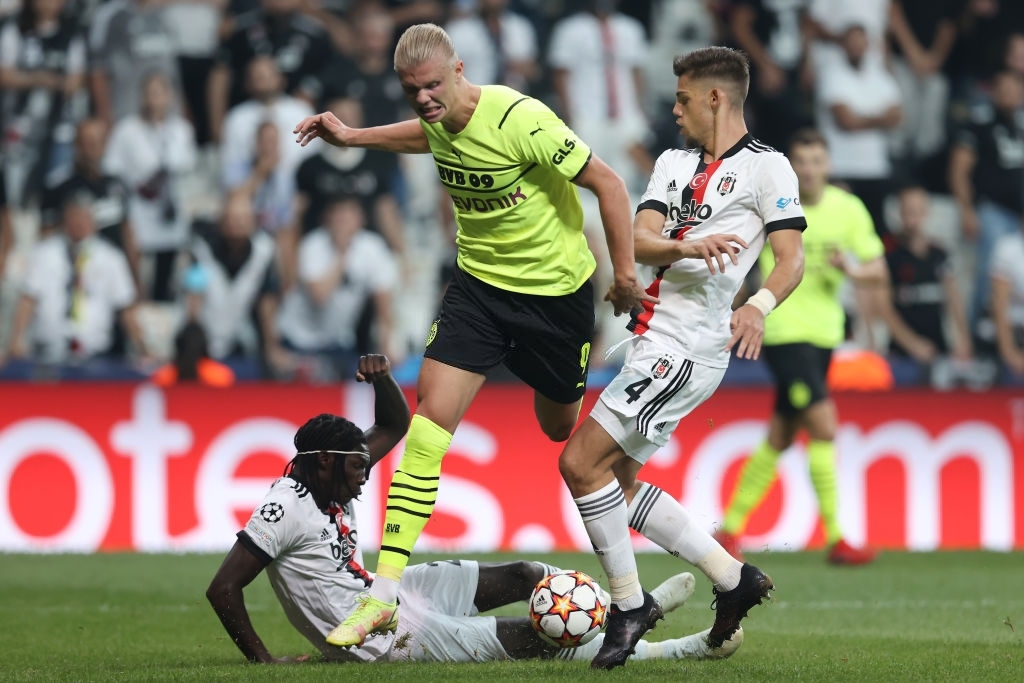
[(636, 388)]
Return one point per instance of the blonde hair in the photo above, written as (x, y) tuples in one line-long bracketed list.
[(421, 43)]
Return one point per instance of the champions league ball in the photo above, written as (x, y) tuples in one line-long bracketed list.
[(568, 608)]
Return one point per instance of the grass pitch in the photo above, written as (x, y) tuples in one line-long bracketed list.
[(908, 617)]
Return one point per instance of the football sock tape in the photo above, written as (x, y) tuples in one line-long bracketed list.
[(604, 516)]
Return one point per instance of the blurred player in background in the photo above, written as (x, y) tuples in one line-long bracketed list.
[(304, 534), (798, 344), (715, 204), (520, 295)]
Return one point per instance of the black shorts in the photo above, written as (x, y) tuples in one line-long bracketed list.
[(543, 340), (799, 371)]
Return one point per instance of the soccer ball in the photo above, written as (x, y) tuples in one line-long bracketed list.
[(568, 608)]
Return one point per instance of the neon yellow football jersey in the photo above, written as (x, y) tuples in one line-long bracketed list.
[(509, 173), (813, 314)]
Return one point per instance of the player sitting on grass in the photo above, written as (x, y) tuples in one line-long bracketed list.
[(303, 533)]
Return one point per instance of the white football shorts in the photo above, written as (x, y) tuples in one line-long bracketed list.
[(437, 620), (654, 390)]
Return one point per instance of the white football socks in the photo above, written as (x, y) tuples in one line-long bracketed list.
[(548, 568), (663, 520), (693, 646), (605, 518), (588, 651), (384, 589)]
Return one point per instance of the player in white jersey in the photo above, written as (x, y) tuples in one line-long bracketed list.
[(304, 534), (700, 225)]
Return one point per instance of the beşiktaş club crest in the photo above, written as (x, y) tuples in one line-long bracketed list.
[(727, 184), (661, 368)]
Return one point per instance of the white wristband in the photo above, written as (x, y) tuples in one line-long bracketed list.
[(763, 301)]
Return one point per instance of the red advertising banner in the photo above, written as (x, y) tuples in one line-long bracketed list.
[(87, 467)]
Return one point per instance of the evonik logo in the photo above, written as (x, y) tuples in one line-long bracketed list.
[(488, 204)]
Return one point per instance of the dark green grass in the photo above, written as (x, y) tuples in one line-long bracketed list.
[(908, 617)]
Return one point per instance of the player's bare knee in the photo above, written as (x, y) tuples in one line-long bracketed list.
[(821, 434), (573, 468), (215, 593), (558, 433)]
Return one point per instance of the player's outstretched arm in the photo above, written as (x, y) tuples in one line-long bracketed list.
[(405, 137), (625, 293), (237, 571), (747, 321), (391, 410)]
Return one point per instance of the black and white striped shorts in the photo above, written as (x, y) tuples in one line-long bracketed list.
[(655, 389)]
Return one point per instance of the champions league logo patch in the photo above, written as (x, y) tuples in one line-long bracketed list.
[(662, 367), (272, 512), (727, 184)]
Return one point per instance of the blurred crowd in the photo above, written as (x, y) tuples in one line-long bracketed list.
[(155, 210)]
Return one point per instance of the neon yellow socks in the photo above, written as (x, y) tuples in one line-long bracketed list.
[(759, 473), (755, 479), (821, 456), (411, 499)]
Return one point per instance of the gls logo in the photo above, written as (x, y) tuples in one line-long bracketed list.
[(783, 202), (561, 154), (689, 211)]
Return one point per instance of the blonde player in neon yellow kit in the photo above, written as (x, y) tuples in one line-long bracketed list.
[(798, 342), (520, 295)]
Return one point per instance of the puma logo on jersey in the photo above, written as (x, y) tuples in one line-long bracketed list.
[(533, 132)]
